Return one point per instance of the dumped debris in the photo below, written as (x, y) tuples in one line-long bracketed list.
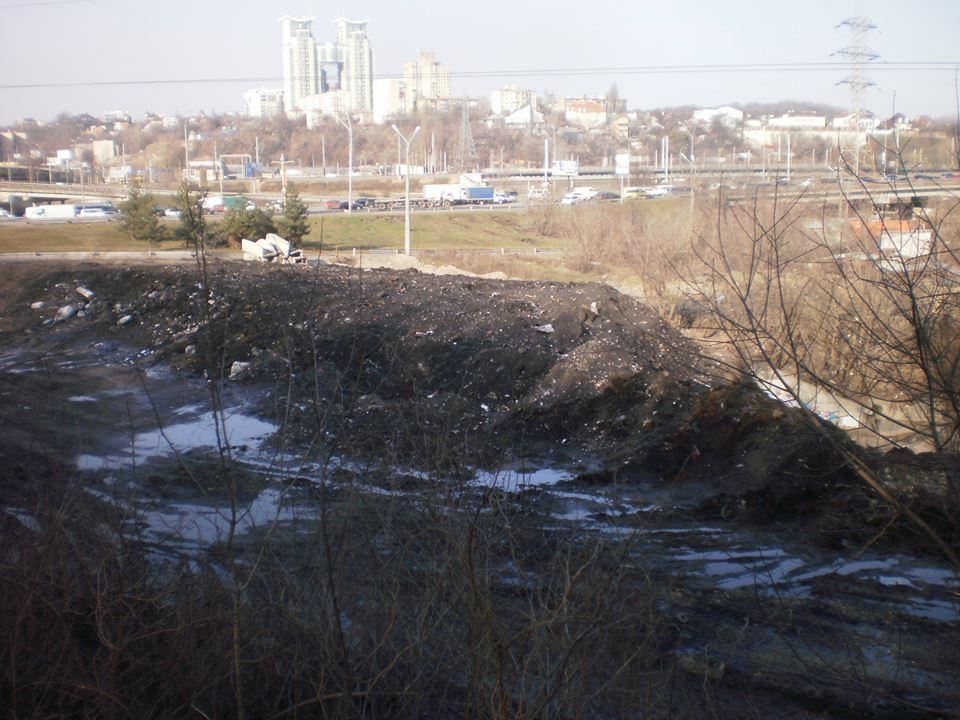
[(272, 248)]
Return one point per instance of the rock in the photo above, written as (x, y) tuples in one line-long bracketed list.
[(241, 370), (38, 305), (65, 313), (125, 320), (190, 350), (85, 292), (546, 329)]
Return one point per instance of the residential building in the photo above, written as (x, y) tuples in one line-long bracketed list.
[(526, 118), (357, 78), (585, 112), (389, 99), (330, 59), (263, 102), (729, 116), (797, 122), (425, 79), (301, 77), (510, 99)]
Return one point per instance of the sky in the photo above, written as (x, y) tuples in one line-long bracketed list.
[(183, 56)]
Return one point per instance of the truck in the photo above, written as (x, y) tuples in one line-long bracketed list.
[(222, 203), (462, 194), (52, 212)]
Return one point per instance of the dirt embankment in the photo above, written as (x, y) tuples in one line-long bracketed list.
[(444, 372)]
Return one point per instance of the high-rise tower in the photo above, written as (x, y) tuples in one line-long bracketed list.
[(301, 77), (357, 78)]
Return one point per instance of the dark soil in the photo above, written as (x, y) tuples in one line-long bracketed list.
[(442, 375)]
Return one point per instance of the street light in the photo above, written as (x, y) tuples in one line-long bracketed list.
[(406, 172), (349, 126)]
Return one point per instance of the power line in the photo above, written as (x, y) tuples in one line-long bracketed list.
[(44, 2), (916, 66)]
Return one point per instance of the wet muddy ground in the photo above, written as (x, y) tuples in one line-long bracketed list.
[(613, 433)]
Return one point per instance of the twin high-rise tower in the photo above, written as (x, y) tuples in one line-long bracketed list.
[(334, 75)]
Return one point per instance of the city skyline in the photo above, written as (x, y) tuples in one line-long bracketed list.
[(102, 54)]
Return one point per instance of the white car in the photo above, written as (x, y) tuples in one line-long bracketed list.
[(5, 214), (172, 212)]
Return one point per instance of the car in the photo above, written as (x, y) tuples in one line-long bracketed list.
[(173, 212), (358, 203), (5, 214), (538, 193), (572, 199), (330, 205), (606, 195), (501, 198), (100, 212)]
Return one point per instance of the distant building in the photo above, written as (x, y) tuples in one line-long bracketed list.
[(114, 116), (526, 118), (103, 151), (301, 76), (263, 102), (867, 123), (797, 122), (586, 112), (511, 98), (389, 99), (357, 78), (729, 116), (425, 79)]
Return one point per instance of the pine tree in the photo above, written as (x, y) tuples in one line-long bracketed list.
[(293, 225), (139, 219)]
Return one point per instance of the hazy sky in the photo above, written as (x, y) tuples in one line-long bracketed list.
[(234, 45)]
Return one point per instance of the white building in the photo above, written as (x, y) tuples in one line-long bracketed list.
[(510, 99), (263, 102), (729, 116), (357, 78), (301, 76), (585, 112), (389, 99), (525, 118), (797, 122), (425, 79)]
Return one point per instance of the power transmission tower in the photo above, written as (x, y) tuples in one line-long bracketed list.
[(465, 157), (858, 54)]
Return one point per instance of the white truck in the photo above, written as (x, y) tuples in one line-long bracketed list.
[(52, 212)]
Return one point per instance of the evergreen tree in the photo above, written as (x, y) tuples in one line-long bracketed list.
[(250, 224), (293, 225), (139, 218)]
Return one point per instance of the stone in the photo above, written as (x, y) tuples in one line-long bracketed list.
[(125, 320), (65, 313), (240, 370), (546, 329), (38, 305), (85, 292)]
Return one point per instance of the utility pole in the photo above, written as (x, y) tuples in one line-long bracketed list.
[(348, 124), (283, 162), (186, 153), (406, 223)]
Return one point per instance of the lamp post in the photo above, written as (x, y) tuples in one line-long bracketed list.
[(349, 126), (406, 172)]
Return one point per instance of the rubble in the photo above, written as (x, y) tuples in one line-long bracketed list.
[(272, 248), (85, 292), (65, 313)]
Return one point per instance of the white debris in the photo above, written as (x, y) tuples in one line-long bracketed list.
[(547, 329), (125, 320), (240, 370), (190, 350), (65, 313), (594, 308), (40, 305), (272, 248), (85, 292)]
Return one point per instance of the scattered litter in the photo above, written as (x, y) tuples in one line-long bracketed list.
[(546, 329), (85, 292)]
